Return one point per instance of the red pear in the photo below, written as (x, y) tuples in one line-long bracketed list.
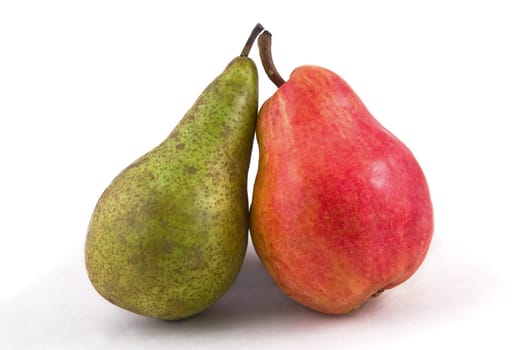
[(341, 209)]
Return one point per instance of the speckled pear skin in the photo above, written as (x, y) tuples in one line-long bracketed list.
[(168, 236)]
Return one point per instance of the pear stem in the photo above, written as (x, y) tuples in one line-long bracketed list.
[(265, 51), (249, 43)]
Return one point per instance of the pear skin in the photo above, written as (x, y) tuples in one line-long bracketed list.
[(341, 209), (168, 236)]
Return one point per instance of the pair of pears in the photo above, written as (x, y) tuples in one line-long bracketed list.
[(340, 209)]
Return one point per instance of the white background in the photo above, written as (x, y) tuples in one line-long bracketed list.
[(87, 87)]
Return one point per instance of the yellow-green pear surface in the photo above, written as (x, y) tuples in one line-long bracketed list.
[(168, 236)]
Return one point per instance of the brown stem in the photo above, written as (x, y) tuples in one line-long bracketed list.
[(249, 43), (265, 51)]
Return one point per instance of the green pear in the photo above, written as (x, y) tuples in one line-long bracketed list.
[(168, 236)]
